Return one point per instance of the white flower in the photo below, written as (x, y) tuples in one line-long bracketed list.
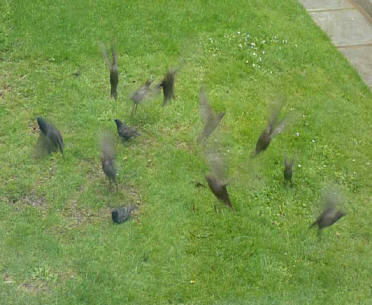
[(271, 72), (299, 165), (313, 140), (238, 33), (263, 52), (253, 44), (254, 54), (297, 134), (260, 59), (253, 65), (240, 45)]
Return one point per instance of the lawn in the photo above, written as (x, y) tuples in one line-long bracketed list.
[(58, 244)]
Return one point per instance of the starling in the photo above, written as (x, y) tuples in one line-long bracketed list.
[(210, 119), (113, 67), (53, 135), (288, 170), (168, 86), (216, 179), (108, 158), (272, 129), (125, 132), (330, 214), (140, 94), (122, 214)]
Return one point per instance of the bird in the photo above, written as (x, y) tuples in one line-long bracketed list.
[(210, 119), (330, 213), (108, 158), (140, 94), (216, 179), (167, 84), (113, 68), (122, 214), (125, 132), (52, 133), (272, 129), (288, 170)]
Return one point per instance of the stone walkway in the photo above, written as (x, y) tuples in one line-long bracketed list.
[(349, 25)]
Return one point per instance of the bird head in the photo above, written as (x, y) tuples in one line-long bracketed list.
[(118, 123), (114, 214), (42, 124), (339, 214)]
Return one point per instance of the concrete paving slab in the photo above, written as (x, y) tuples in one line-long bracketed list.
[(361, 59), (366, 5), (344, 27), (325, 4)]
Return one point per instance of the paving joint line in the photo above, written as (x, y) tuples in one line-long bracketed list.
[(320, 10)]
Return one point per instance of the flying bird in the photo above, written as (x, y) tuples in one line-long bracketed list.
[(122, 214), (272, 129), (113, 68), (210, 119), (167, 84), (330, 213), (217, 179), (52, 134), (288, 170), (108, 158), (140, 94), (125, 132)]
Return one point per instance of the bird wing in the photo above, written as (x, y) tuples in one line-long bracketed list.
[(105, 56), (217, 166), (206, 111)]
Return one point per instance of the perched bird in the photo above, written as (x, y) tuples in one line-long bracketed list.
[(125, 132), (272, 129), (108, 158), (113, 67), (140, 94), (168, 86), (330, 214), (210, 119), (52, 134), (288, 170), (216, 179), (122, 214)]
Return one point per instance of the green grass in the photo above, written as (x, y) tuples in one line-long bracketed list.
[(57, 242)]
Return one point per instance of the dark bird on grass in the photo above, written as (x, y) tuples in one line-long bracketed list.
[(52, 134), (330, 213), (122, 214), (210, 119), (272, 129), (113, 68), (167, 84), (140, 94), (216, 179), (108, 158), (125, 132), (288, 170)]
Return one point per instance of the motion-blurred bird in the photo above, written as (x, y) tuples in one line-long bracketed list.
[(330, 214), (51, 133), (113, 68), (140, 94), (216, 179), (288, 170), (210, 119), (272, 129), (122, 214), (125, 132), (168, 86), (108, 158)]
